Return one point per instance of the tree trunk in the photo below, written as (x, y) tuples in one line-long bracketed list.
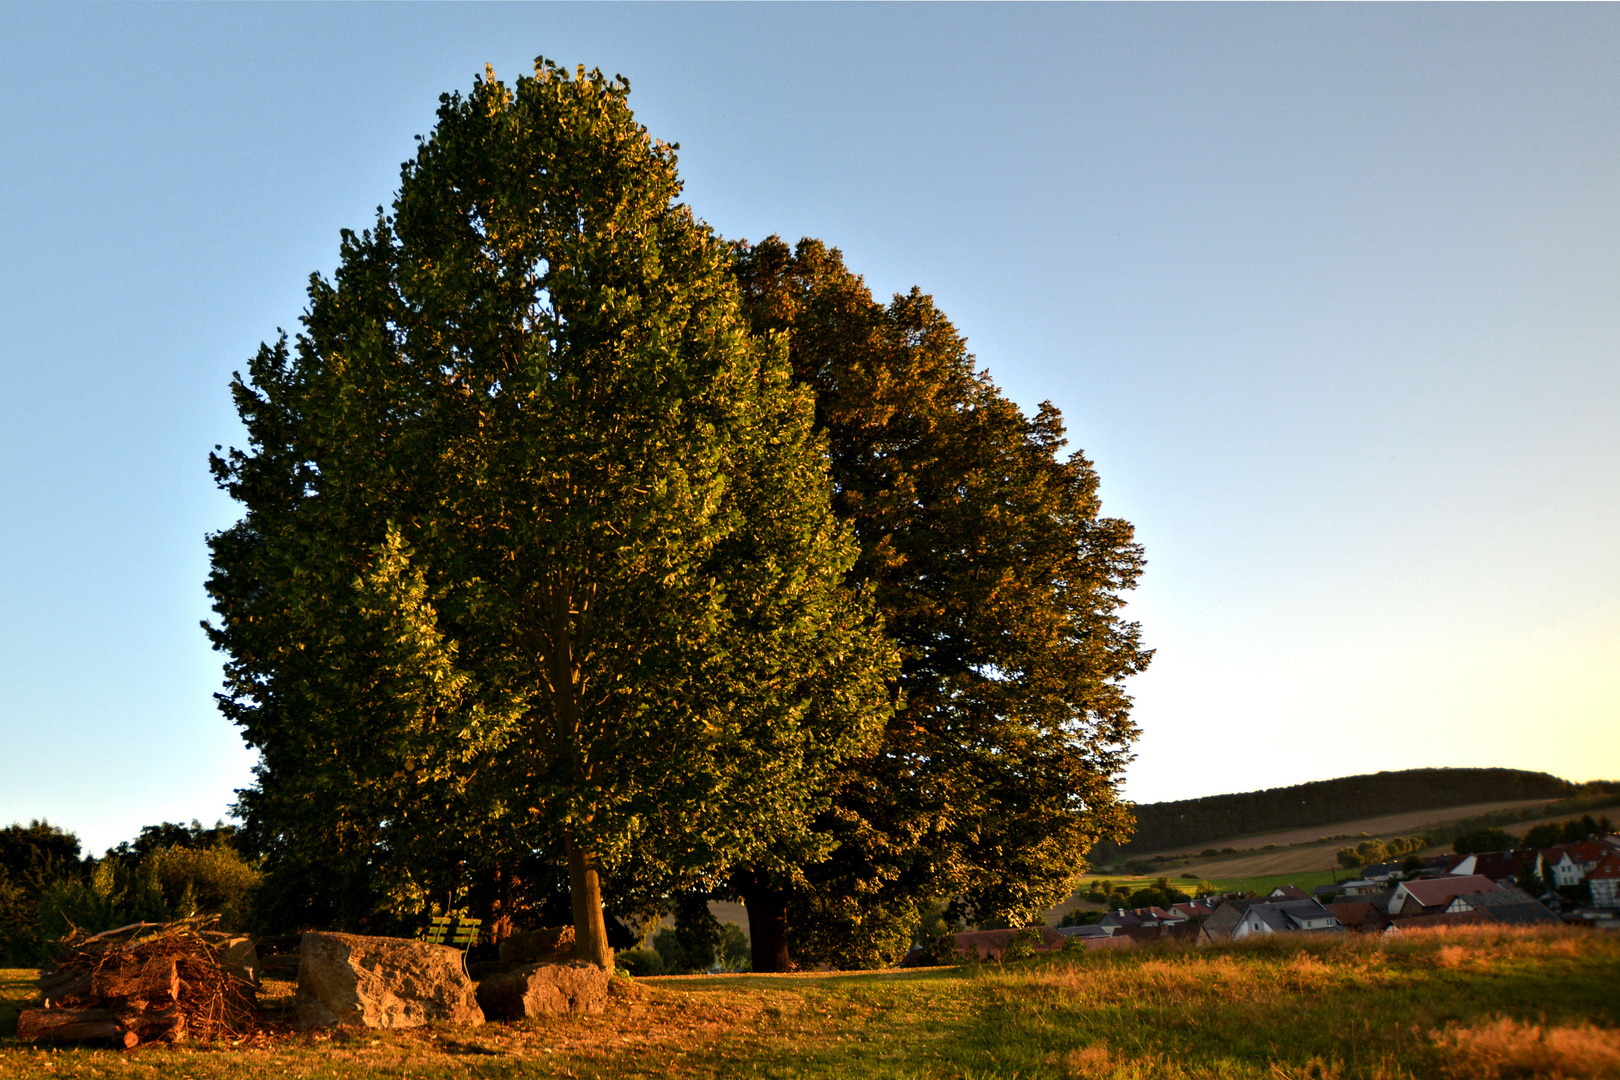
[(585, 891), (767, 923)]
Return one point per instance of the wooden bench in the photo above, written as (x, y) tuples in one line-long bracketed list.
[(452, 930)]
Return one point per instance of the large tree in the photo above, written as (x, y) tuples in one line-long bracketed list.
[(1001, 583), (538, 555)]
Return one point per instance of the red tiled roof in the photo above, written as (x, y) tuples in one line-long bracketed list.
[(1438, 891), (1608, 868), (1584, 852)]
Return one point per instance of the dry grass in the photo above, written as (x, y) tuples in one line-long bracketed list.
[(1503, 1048), (1473, 1002)]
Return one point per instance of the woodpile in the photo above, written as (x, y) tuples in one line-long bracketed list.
[(146, 982)]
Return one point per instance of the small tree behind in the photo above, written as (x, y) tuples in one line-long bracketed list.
[(999, 580)]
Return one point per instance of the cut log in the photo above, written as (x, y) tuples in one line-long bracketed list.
[(74, 1025), (67, 987), (155, 1025)]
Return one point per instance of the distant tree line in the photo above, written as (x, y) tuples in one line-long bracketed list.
[(1186, 822), (1370, 852), (169, 871)]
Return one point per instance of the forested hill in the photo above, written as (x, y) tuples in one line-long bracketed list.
[(1185, 822)]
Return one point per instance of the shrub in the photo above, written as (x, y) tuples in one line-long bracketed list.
[(940, 951), (210, 880), (641, 962), (732, 953), (1022, 945), (664, 944)]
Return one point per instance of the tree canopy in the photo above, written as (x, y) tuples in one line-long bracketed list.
[(1000, 582), (537, 560)]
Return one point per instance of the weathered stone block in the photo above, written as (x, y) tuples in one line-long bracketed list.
[(541, 989), (355, 981)]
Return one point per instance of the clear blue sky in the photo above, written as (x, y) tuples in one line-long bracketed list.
[(1329, 293)]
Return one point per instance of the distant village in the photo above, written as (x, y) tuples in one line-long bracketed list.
[(1572, 883)]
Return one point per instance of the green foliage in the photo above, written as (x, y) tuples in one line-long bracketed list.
[(33, 859), (939, 950), (1022, 945), (1001, 583), (1188, 822), (204, 880), (1572, 831), (1109, 894), (932, 921), (1371, 851), (731, 951), (666, 946), (170, 834), (697, 934), (538, 561), (169, 883), (850, 931), (1484, 840), (115, 894), (641, 963), (1160, 894)]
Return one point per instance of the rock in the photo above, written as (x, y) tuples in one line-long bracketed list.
[(239, 958), (354, 981), (539, 989), (539, 946)]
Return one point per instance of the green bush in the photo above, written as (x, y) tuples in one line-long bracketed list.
[(1022, 945), (665, 945), (641, 962), (211, 880), (732, 953), (940, 951)]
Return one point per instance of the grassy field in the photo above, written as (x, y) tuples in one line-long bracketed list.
[(1403, 824), (1479, 1003)]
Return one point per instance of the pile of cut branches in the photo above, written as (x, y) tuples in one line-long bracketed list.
[(146, 982)]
